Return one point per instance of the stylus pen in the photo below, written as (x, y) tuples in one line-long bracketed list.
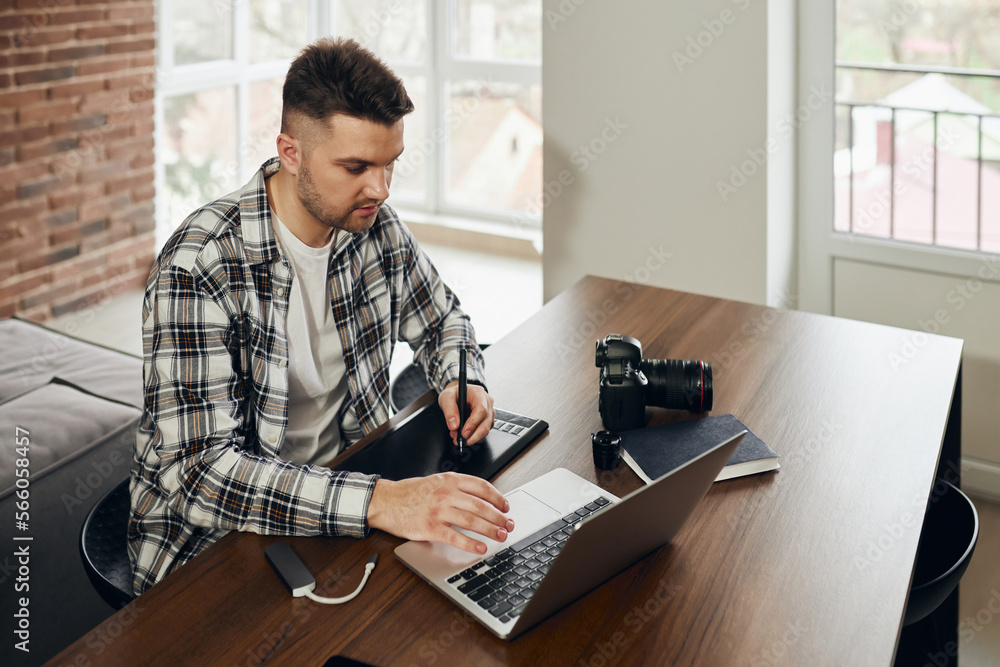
[(463, 407)]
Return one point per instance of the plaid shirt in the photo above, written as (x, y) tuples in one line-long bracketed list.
[(215, 368)]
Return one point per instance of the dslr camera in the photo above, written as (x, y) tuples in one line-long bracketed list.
[(629, 383)]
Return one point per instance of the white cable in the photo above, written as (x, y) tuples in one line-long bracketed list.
[(347, 598)]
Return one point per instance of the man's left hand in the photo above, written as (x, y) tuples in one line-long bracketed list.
[(480, 414)]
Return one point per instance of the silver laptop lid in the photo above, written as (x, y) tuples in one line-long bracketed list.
[(622, 533), (599, 548)]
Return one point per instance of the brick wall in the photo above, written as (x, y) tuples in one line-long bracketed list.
[(76, 152)]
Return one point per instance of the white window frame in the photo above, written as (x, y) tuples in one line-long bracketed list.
[(440, 67)]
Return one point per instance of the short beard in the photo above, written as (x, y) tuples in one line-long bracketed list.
[(312, 202)]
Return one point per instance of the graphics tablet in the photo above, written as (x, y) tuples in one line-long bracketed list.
[(422, 446)]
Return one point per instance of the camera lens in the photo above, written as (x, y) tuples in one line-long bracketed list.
[(678, 385), (607, 449)]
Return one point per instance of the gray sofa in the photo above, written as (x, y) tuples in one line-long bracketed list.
[(79, 405)]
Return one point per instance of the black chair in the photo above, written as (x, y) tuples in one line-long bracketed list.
[(410, 385), (103, 547), (947, 541)]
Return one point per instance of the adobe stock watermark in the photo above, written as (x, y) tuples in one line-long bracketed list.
[(790, 459), (968, 628), (581, 158), (900, 15), (606, 650), (562, 12), (92, 141), (378, 20), (914, 167), (100, 640), (958, 297), (227, 174), (892, 533), (375, 20), (31, 23), (93, 480), (55, 345), (775, 654), (752, 330), (697, 44), (741, 173), (420, 153), (888, 537), (596, 318), (302, 609), (433, 650)]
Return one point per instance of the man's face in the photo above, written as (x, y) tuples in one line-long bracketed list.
[(345, 174)]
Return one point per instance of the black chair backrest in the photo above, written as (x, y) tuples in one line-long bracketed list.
[(103, 547), (410, 385)]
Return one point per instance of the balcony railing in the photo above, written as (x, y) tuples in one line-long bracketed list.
[(886, 205)]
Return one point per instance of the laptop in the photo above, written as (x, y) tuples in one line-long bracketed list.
[(569, 536)]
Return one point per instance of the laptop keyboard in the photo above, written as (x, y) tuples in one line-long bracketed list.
[(503, 583)]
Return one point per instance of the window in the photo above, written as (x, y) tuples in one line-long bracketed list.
[(918, 122), (472, 68)]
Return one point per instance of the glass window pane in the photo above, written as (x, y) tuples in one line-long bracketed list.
[(278, 30), (913, 202), (409, 176), (203, 31), (916, 147), (497, 29), (495, 149), (264, 123), (199, 150), (392, 29), (957, 181), (990, 231)]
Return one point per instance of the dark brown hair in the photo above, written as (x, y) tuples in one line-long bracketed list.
[(340, 76)]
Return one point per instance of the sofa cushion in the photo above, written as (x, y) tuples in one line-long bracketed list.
[(33, 355), (61, 421)]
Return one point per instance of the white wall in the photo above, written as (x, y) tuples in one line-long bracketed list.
[(655, 113)]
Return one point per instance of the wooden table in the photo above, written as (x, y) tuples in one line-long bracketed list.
[(810, 565)]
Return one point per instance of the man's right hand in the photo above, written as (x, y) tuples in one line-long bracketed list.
[(431, 508)]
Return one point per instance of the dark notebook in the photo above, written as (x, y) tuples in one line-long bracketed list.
[(422, 446), (654, 451)]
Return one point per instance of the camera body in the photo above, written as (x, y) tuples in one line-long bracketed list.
[(622, 389), (628, 383)]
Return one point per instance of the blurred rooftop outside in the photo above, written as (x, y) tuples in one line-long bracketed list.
[(918, 122)]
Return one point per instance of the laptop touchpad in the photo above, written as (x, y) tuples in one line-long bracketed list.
[(529, 514)]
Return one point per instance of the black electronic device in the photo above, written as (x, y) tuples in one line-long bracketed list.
[(422, 445), (628, 383), (290, 568)]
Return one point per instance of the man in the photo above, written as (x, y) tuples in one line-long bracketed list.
[(269, 320)]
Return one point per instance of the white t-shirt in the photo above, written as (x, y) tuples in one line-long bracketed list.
[(317, 378)]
